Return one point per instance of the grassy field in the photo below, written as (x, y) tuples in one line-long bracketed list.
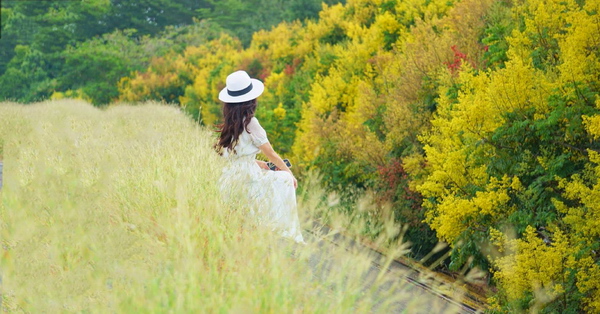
[(119, 210)]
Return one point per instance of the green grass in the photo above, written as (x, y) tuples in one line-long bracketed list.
[(119, 210)]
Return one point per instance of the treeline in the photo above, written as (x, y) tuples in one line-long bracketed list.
[(474, 122), (83, 48)]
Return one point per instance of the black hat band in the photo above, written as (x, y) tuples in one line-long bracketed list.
[(240, 92)]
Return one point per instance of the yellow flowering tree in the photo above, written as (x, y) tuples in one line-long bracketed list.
[(360, 125), (172, 78), (502, 143)]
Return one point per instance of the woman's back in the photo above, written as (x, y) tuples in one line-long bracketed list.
[(249, 141)]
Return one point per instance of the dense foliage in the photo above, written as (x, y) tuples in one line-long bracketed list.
[(83, 48), (475, 122)]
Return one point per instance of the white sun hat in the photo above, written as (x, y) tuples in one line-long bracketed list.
[(240, 87)]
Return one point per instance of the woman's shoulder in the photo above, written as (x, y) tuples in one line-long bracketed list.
[(254, 122), (254, 127)]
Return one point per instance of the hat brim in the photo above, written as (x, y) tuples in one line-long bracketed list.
[(257, 89)]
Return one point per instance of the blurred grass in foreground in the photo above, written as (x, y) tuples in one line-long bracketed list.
[(119, 210)]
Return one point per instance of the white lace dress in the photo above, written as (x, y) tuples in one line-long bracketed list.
[(271, 195)]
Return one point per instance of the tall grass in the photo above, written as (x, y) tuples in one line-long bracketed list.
[(119, 210)]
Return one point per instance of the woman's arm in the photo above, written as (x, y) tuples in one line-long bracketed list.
[(267, 149)]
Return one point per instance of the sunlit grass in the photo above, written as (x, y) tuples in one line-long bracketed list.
[(119, 210)]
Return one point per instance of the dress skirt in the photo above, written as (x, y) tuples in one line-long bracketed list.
[(271, 195)]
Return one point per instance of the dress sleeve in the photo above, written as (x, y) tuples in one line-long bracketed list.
[(257, 133)]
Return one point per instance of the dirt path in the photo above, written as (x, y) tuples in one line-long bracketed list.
[(411, 292)]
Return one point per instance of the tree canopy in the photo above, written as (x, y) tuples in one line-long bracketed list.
[(43, 42)]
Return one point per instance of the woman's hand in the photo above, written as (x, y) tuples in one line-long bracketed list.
[(293, 178), (262, 164), (267, 149)]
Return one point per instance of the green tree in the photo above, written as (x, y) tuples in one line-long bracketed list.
[(151, 16), (242, 18), (47, 28), (26, 78), (96, 66)]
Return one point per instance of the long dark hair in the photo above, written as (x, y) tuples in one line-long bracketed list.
[(234, 123)]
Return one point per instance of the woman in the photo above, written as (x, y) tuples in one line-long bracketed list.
[(271, 194)]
